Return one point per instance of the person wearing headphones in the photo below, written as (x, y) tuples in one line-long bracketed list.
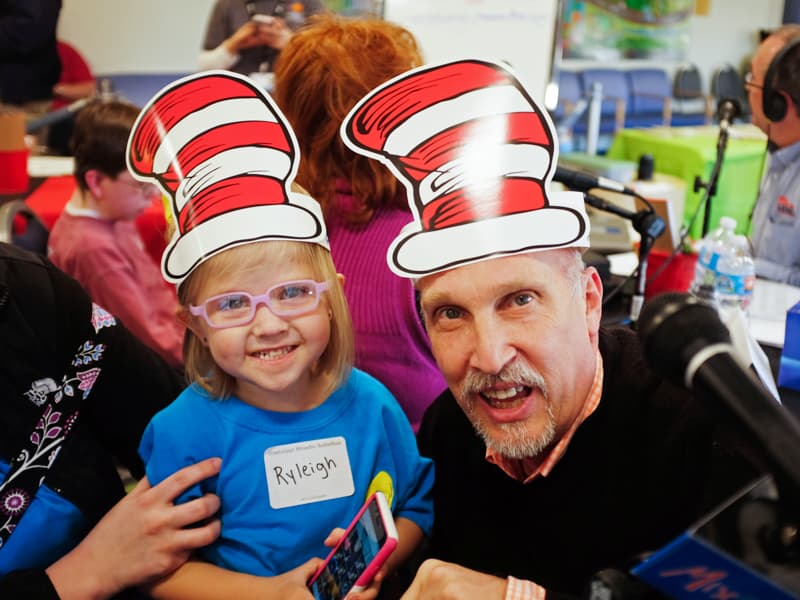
[(773, 87)]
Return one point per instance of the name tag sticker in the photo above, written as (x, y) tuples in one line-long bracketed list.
[(308, 472)]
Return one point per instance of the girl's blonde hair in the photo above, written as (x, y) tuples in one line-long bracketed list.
[(338, 357)]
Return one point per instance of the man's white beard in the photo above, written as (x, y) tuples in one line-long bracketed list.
[(517, 442)]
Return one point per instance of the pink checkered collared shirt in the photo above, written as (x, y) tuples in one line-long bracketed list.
[(527, 469)]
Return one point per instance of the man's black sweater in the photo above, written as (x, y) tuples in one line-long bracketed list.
[(642, 468)]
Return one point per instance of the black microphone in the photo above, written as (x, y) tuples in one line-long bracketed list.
[(583, 182), (728, 109), (685, 341)]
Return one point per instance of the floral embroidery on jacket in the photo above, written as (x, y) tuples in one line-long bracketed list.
[(50, 430), (101, 318)]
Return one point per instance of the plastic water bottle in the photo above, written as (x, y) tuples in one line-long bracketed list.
[(716, 243), (736, 275)]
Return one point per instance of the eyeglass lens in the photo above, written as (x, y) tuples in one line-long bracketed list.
[(284, 299)]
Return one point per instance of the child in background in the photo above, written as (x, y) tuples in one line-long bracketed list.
[(304, 437), (95, 239)]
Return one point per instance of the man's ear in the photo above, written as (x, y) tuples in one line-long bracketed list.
[(593, 293), (792, 109)]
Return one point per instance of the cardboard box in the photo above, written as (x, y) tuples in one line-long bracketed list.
[(789, 372), (12, 129)]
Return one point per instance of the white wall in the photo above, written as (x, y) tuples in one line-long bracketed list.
[(729, 32), (519, 32), (130, 36), (136, 36)]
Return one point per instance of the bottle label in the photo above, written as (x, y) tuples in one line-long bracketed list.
[(735, 285), (708, 258)]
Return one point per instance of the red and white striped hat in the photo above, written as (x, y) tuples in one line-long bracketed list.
[(224, 154), (476, 155)]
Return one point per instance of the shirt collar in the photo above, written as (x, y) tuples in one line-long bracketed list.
[(783, 157), (527, 469)]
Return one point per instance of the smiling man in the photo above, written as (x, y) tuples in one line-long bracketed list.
[(558, 453), (502, 344)]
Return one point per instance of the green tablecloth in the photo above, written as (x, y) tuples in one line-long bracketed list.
[(687, 152)]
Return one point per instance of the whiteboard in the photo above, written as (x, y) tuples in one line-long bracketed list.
[(521, 33)]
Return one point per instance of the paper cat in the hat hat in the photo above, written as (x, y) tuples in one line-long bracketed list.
[(223, 153), (476, 155)]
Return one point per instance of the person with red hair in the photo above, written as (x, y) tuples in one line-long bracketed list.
[(320, 75)]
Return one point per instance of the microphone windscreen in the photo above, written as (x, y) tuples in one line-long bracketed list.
[(729, 107), (673, 327)]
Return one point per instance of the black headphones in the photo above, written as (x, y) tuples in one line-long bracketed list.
[(773, 103)]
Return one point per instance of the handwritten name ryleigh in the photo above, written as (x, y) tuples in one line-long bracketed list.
[(290, 475)]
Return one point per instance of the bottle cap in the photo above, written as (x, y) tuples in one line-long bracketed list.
[(727, 223), (646, 167)]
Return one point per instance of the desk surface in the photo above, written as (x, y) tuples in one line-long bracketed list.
[(771, 300), (50, 166), (689, 152)]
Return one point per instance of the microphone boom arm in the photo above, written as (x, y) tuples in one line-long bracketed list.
[(649, 226)]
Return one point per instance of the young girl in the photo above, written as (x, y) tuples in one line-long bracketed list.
[(304, 438)]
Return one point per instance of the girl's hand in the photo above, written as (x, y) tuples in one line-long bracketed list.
[(293, 585), (368, 593), (334, 537)]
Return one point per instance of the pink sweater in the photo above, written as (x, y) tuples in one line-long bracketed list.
[(391, 343), (110, 262)]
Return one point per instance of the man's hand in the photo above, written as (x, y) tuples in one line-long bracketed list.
[(145, 535), (437, 580)]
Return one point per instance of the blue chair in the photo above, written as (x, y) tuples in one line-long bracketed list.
[(726, 83), (650, 98), (690, 105), (570, 93), (569, 115), (616, 93)]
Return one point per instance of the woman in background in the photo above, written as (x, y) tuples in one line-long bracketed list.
[(321, 73)]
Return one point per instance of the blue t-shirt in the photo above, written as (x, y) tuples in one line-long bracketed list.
[(284, 483)]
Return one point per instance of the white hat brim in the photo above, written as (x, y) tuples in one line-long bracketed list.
[(253, 223), (425, 252)]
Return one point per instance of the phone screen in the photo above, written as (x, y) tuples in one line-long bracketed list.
[(358, 549)]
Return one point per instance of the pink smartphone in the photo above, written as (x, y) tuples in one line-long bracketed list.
[(364, 547)]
